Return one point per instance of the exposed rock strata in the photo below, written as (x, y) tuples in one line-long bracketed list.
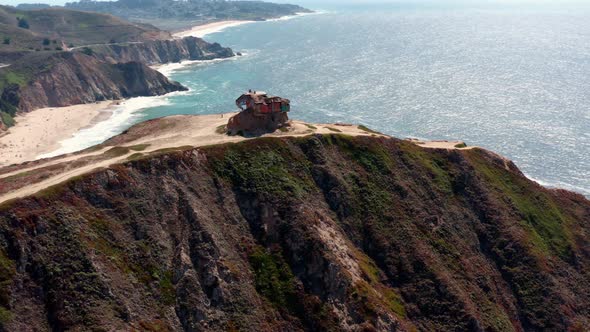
[(163, 51), (315, 233), (76, 78), (104, 72)]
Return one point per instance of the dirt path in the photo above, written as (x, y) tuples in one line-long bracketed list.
[(166, 133)]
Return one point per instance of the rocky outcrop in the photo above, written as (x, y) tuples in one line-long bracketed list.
[(250, 123), (76, 78), (317, 233), (163, 51)]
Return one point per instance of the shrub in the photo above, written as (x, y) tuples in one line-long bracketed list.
[(6, 41), (22, 23), (59, 48), (46, 41), (87, 51)]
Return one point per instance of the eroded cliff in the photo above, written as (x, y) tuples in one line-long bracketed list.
[(163, 51), (76, 78), (95, 73), (324, 232)]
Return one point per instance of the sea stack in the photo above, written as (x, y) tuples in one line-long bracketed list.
[(260, 113)]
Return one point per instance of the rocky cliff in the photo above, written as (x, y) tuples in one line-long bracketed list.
[(89, 74), (76, 78), (163, 51), (317, 233)]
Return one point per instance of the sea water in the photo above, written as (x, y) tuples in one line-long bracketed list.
[(513, 80)]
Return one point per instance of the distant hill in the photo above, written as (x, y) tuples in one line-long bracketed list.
[(29, 6), (58, 28), (171, 14)]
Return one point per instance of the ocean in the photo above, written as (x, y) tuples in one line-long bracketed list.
[(513, 80)]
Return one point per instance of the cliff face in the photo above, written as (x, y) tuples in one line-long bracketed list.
[(105, 72), (315, 233), (76, 78), (163, 51)]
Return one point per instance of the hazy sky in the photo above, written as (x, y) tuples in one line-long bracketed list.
[(332, 3)]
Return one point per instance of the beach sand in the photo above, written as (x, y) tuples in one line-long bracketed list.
[(205, 29), (40, 131)]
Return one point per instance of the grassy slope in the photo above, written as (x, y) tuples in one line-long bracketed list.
[(68, 27)]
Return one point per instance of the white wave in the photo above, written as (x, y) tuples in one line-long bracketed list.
[(169, 68), (290, 17), (122, 116), (561, 185)]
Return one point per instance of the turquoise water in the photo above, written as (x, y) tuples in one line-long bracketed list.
[(516, 81)]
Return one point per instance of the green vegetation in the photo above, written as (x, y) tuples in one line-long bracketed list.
[(87, 51), (46, 41), (167, 289), (139, 147), (13, 77), (334, 129), (117, 151), (7, 271), (540, 216), (22, 23), (311, 127), (436, 164), (374, 290), (135, 156), (7, 119), (273, 278), (222, 130), (170, 150), (367, 129), (259, 167), (460, 145), (6, 41)]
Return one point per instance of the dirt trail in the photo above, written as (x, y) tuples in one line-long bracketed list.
[(167, 133)]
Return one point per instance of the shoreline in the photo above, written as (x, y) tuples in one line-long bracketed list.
[(201, 31), (42, 131), (52, 131)]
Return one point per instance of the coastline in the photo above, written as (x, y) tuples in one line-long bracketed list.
[(42, 130), (53, 131), (201, 31)]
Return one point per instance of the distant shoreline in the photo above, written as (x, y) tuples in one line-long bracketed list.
[(205, 29)]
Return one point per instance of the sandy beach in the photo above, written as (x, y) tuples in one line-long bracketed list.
[(205, 29), (40, 131)]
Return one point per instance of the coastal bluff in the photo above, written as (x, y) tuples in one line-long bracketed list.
[(77, 78), (174, 225)]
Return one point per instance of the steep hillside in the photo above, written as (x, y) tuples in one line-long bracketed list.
[(322, 233), (75, 78), (48, 29)]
